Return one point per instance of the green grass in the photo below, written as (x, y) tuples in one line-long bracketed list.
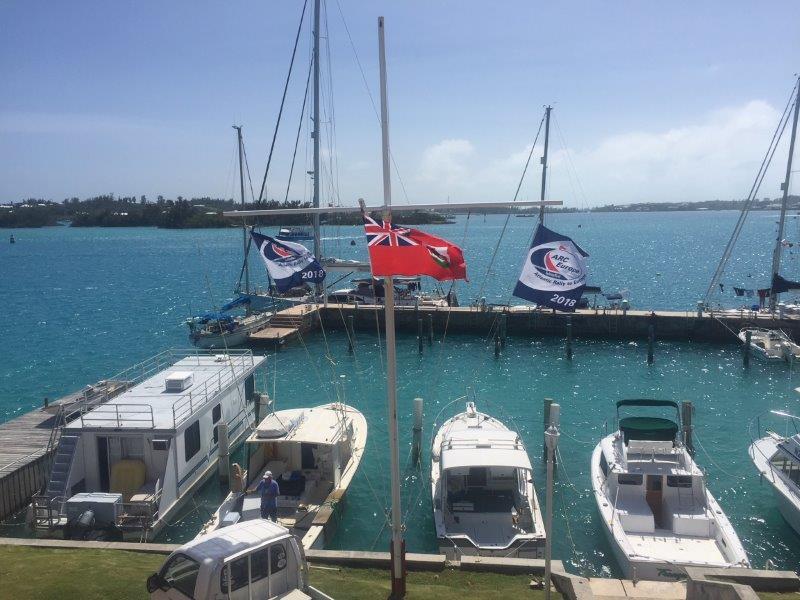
[(60, 573)]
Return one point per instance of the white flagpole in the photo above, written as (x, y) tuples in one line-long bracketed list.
[(397, 547)]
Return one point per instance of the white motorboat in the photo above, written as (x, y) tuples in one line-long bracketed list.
[(777, 458), (770, 345), (123, 468), (656, 510), (407, 292), (484, 501), (313, 454)]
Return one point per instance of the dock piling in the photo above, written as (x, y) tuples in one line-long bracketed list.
[(496, 346), (503, 329), (650, 342), (430, 330), (350, 335), (748, 340), (224, 453), (687, 410), (569, 338), (548, 402), (419, 334), (416, 443)]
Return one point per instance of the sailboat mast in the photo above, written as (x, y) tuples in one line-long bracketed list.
[(397, 547), (776, 254), (246, 268), (544, 161), (315, 134)]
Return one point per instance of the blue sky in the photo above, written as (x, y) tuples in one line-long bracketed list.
[(653, 101)]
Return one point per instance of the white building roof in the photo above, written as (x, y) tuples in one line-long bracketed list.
[(147, 405)]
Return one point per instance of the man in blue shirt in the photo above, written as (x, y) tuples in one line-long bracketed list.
[(269, 490)]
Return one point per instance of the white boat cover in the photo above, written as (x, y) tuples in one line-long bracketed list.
[(274, 427), (483, 448)]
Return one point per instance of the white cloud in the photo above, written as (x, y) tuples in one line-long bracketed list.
[(716, 157)]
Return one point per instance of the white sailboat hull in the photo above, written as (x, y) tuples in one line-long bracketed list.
[(786, 496)]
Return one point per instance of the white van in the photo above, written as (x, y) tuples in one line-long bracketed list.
[(250, 560)]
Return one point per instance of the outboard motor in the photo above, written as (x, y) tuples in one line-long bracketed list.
[(80, 526)]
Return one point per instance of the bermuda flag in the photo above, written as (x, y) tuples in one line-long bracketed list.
[(554, 273), (289, 264), (396, 250)]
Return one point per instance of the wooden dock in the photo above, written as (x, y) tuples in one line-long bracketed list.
[(287, 324), (28, 442)]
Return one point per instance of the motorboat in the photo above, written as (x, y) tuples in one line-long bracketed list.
[(656, 510), (313, 454), (777, 458), (770, 345), (484, 500), (124, 467), (293, 234), (407, 292)]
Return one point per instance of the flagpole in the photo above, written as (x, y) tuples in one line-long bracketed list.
[(315, 134), (238, 129), (397, 546)]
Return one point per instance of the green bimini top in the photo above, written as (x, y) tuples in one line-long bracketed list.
[(648, 428)]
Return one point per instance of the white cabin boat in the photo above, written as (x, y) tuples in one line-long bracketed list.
[(770, 345), (125, 467), (407, 292), (777, 458), (657, 513), (484, 501), (313, 454)]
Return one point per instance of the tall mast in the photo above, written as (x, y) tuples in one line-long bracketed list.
[(397, 547), (776, 254), (246, 268), (315, 133), (544, 161)]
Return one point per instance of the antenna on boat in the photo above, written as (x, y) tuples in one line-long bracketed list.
[(315, 135), (246, 266), (547, 110), (397, 545), (776, 254)]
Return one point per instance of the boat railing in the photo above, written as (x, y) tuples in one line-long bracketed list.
[(185, 406), (118, 416), (140, 514)]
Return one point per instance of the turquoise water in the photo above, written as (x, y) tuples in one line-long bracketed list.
[(82, 304)]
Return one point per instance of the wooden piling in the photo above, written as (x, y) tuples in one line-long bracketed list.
[(503, 329), (430, 330), (350, 334), (545, 423), (569, 338), (651, 335), (687, 410), (416, 441), (419, 334), (747, 348), (496, 346)]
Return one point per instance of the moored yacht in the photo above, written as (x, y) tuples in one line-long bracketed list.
[(777, 458), (407, 292), (313, 454), (770, 345), (657, 513), (484, 501), (123, 468)]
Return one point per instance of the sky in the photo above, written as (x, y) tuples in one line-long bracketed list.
[(652, 101)]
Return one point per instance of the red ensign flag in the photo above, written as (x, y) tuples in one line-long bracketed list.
[(396, 250)]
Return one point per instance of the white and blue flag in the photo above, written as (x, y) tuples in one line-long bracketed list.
[(554, 273), (289, 264)]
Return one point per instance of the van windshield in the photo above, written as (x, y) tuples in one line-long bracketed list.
[(180, 573)]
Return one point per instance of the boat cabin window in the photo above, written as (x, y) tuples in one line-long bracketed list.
[(629, 479), (603, 464), (216, 415), (476, 477), (787, 466), (679, 481), (132, 447), (191, 440), (180, 573)]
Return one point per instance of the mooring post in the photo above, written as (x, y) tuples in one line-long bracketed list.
[(551, 436), (430, 330), (224, 453), (651, 335), (496, 346), (350, 335), (569, 338), (264, 406), (416, 443), (748, 338), (503, 329), (419, 334), (687, 410), (548, 402)]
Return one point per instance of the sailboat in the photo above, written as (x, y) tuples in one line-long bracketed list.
[(770, 345), (221, 329)]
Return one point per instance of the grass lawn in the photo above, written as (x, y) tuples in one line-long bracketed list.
[(55, 573)]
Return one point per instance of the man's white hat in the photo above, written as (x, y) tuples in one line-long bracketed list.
[(267, 474)]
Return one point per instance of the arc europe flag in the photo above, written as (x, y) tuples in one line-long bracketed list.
[(289, 264), (554, 273), (397, 250)]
